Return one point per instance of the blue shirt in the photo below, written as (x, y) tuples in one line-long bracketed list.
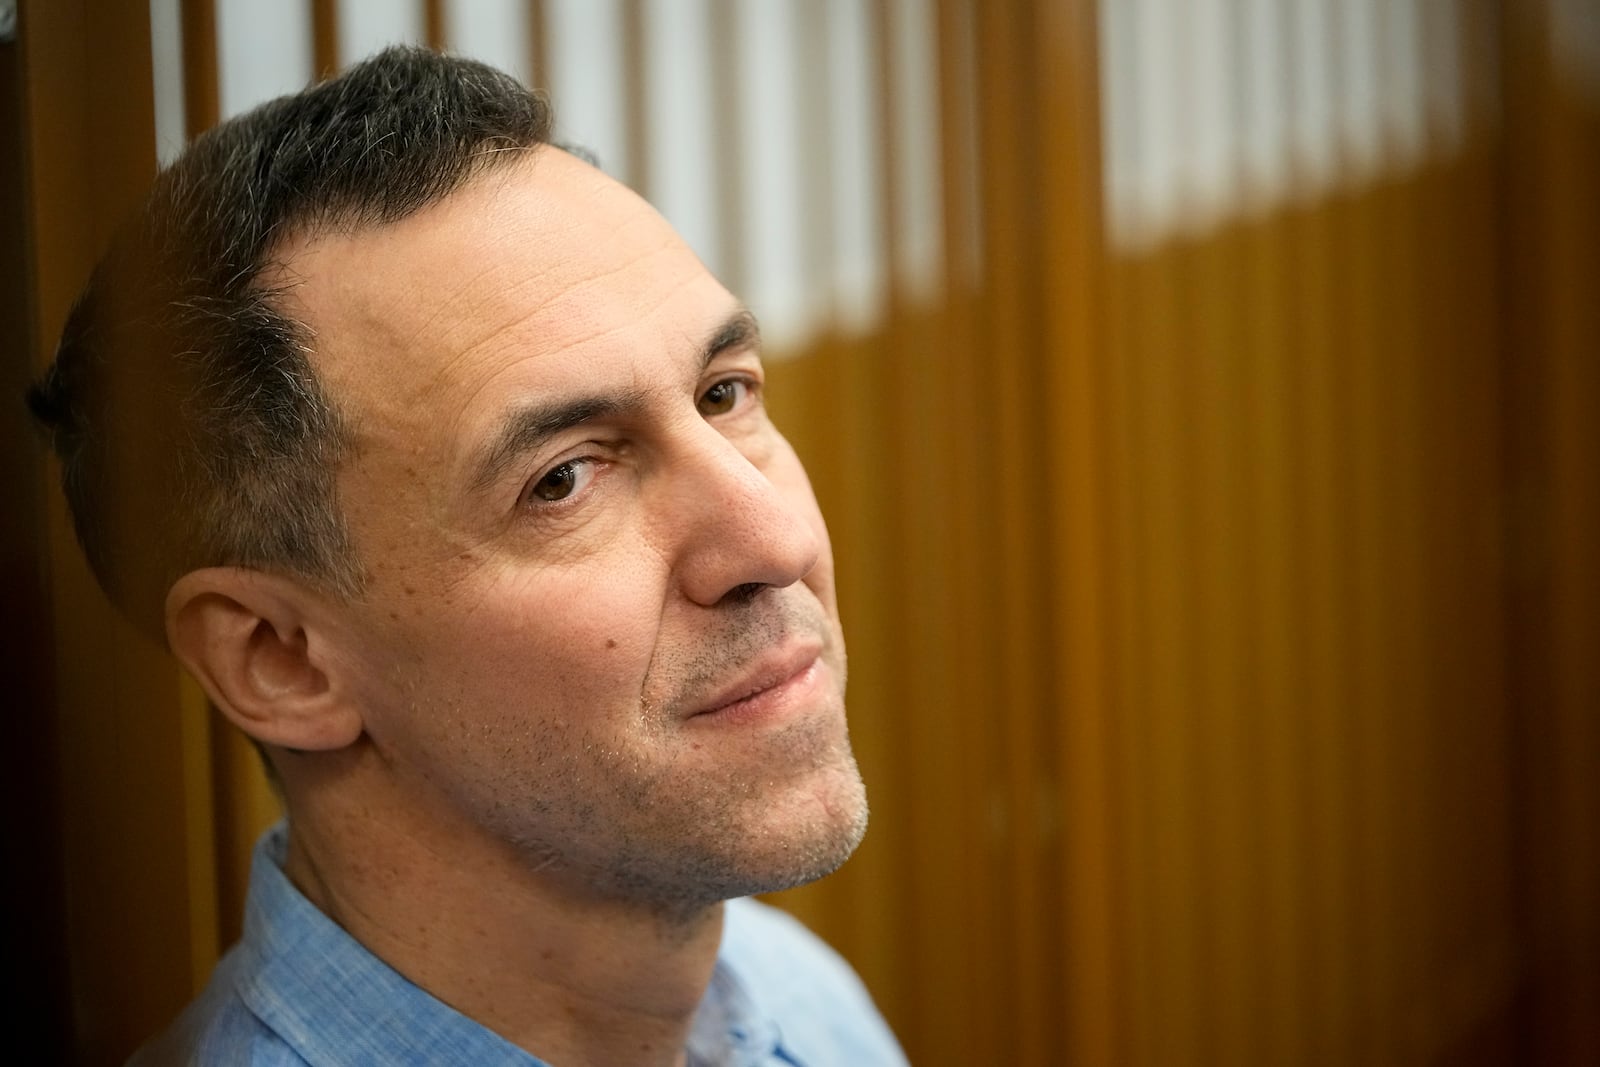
[(298, 990)]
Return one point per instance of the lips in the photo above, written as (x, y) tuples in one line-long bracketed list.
[(767, 683)]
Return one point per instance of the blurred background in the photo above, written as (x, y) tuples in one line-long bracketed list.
[(1205, 396)]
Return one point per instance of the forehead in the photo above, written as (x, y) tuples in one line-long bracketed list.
[(535, 271)]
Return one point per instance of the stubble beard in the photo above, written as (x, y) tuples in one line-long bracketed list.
[(791, 809), (720, 839), (676, 845)]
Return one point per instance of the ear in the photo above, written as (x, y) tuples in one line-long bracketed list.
[(255, 643)]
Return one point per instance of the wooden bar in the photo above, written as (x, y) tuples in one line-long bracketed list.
[(1319, 345), (1552, 229), (925, 735), (200, 91), (1269, 371), (538, 44), (635, 77), (1073, 268), (324, 38), (814, 50), (976, 849), (35, 965), (1009, 421), (433, 25), (1365, 607), (726, 102)]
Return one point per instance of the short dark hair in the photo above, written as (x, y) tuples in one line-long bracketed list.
[(181, 401)]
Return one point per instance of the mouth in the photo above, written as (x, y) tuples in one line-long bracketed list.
[(784, 680)]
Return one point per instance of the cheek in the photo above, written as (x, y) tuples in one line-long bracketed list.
[(559, 643)]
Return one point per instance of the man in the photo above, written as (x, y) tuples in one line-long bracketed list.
[(442, 463)]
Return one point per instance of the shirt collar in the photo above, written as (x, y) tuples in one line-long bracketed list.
[(333, 1001)]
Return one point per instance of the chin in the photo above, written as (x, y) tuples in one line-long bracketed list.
[(776, 844), (812, 842)]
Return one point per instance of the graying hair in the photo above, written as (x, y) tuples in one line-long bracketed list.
[(191, 429)]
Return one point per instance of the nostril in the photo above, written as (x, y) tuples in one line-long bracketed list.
[(743, 594)]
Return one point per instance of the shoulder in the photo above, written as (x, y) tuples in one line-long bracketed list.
[(218, 1028), (821, 1008)]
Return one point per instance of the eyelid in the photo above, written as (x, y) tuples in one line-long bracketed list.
[(744, 360), (752, 381), (528, 500)]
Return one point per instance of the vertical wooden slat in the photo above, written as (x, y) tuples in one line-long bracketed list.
[(892, 952), (538, 43), (434, 33), (1321, 742), (1130, 807), (727, 95), (1467, 1011), (324, 38), (1271, 450), (1410, 714), (1216, 576), (1127, 618), (635, 78), (895, 524), (1221, 578), (1552, 232), (1269, 383), (813, 52), (1009, 425), (35, 962), (1073, 266), (1367, 625), (1152, 333), (1167, 476), (200, 94), (960, 396)]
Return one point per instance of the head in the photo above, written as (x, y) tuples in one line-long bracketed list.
[(442, 463), (190, 425)]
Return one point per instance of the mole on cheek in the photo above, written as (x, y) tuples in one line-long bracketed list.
[(611, 642)]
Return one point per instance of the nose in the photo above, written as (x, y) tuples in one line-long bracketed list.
[(743, 522)]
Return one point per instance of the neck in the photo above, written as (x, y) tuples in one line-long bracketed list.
[(569, 976)]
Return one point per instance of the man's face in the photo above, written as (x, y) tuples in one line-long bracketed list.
[(601, 629)]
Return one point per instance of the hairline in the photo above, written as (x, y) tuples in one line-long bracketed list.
[(345, 572)]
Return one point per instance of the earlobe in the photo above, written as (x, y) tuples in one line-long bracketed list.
[(260, 654)]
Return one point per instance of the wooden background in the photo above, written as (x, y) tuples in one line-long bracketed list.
[(1224, 607)]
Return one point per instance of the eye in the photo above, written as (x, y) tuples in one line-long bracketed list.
[(723, 397), (561, 481)]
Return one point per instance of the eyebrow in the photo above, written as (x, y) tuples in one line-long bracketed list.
[(527, 428)]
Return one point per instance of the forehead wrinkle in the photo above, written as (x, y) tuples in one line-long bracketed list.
[(602, 327), (504, 332), (492, 340), (479, 293), (527, 426)]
